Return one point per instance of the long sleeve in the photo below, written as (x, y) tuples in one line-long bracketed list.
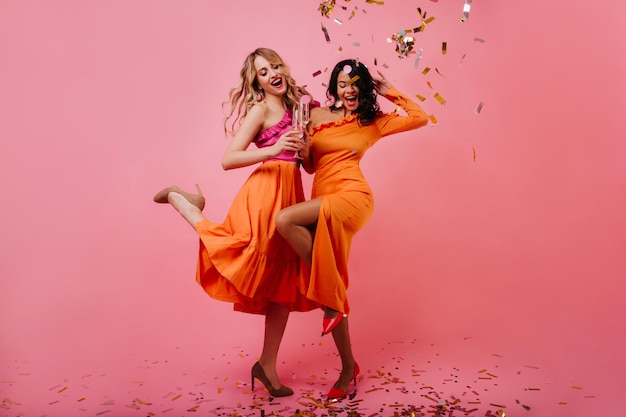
[(394, 123)]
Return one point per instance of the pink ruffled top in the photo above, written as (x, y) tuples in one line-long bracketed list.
[(270, 136)]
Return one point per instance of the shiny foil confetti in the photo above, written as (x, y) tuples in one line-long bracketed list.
[(426, 70), (326, 7), (440, 99), (380, 3), (418, 57), (466, 10), (420, 97), (444, 48), (404, 43)]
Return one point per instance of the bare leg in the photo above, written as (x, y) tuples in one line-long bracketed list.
[(190, 212), (341, 335), (292, 222), (188, 205), (275, 323)]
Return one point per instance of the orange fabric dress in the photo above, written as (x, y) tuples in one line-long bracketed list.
[(347, 203), (244, 260)]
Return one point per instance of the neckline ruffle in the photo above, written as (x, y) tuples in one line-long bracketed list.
[(339, 122), (278, 127)]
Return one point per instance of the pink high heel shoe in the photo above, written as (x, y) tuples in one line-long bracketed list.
[(195, 199), (335, 394)]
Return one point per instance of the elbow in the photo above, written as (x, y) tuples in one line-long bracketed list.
[(227, 164)]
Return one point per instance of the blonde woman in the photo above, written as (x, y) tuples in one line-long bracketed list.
[(244, 260)]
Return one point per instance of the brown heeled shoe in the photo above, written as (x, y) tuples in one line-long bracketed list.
[(195, 199), (258, 373)]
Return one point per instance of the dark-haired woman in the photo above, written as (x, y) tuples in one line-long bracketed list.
[(341, 200)]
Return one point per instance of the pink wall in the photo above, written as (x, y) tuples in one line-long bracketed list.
[(521, 249)]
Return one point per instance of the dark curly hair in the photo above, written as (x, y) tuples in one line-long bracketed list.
[(368, 106)]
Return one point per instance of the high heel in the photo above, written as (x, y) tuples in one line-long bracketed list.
[(329, 323), (195, 199), (335, 394), (259, 373)]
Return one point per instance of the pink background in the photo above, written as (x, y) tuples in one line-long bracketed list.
[(512, 262)]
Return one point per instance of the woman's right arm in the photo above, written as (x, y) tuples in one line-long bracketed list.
[(237, 155)]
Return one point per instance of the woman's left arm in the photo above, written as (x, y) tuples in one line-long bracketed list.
[(393, 123)]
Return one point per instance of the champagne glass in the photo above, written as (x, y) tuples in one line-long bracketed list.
[(300, 119)]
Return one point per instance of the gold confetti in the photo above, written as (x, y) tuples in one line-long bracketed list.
[(62, 389), (177, 397), (444, 48), (375, 2), (430, 19), (420, 98), (81, 399), (440, 99), (426, 70), (326, 7), (354, 79), (439, 72), (576, 387), (474, 152), (433, 119), (219, 390)]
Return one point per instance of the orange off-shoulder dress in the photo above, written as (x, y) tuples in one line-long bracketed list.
[(244, 260), (347, 202)]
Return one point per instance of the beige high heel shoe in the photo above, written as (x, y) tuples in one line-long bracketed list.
[(195, 199)]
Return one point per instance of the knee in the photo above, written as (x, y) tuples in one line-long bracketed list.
[(282, 222)]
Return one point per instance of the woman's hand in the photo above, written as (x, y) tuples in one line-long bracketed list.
[(304, 92), (288, 142), (381, 84)]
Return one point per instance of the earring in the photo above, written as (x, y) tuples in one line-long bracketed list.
[(338, 104)]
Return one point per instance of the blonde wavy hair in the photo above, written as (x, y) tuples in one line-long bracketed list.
[(243, 96)]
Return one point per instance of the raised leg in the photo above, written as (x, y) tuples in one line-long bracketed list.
[(293, 224), (188, 205)]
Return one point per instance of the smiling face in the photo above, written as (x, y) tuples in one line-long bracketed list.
[(347, 92), (270, 77)]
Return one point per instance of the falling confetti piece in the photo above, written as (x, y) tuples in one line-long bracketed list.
[(325, 33), (439, 72), (420, 97), (479, 40), (430, 19), (479, 107), (81, 399), (426, 70), (103, 412), (418, 57), (339, 22), (444, 48), (375, 2), (354, 79), (576, 387), (466, 10), (440, 99), (316, 73)]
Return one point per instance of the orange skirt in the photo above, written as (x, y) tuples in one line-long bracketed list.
[(244, 260)]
